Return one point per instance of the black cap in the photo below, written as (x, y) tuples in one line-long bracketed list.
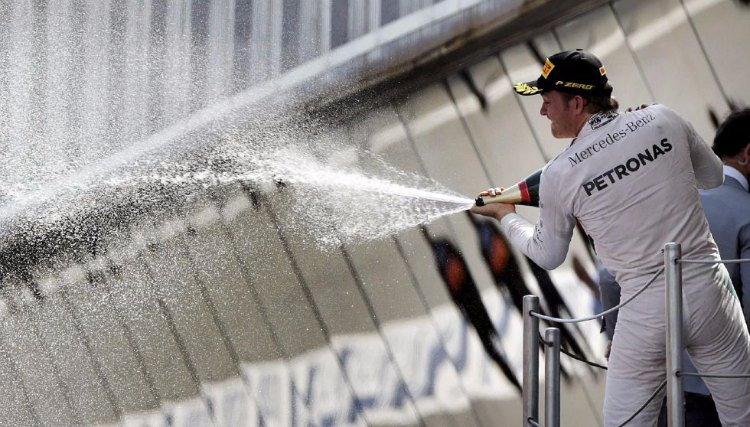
[(572, 71)]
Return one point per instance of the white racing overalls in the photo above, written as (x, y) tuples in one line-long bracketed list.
[(631, 180)]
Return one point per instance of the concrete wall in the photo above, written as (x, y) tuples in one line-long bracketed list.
[(226, 315)]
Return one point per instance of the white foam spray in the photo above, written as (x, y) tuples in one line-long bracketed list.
[(330, 201), (337, 204)]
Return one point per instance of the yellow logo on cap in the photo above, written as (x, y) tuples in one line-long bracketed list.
[(602, 71), (548, 66), (525, 89)]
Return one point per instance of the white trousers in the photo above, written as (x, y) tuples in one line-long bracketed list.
[(715, 336)]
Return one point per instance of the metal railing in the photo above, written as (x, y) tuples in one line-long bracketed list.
[(673, 310)]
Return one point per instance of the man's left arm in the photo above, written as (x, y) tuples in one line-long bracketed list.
[(707, 166)]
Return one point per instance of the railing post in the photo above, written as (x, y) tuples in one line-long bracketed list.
[(673, 309), (530, 359), (552, 377)]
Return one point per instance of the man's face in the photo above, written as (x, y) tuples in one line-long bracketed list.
[(557, 108)]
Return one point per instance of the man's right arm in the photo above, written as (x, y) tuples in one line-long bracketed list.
[(547, 241)]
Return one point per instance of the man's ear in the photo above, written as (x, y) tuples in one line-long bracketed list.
[(746, 152), (580, 103), (742, 157)]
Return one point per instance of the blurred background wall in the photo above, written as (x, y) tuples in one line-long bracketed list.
[(213, 306)]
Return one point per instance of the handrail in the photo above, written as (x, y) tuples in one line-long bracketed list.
[(596, 316), (673, 311), (709, 261)]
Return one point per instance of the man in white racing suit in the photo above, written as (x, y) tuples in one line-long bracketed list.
[(631, 179)]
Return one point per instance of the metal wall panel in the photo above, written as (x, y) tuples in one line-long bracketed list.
[(286, 300), (671, 60), (384, 278), (88, 297), (134, 295), (185, 301), (280, 292), (722, 29), (16, 407), (78, 368), (233, 300), (47, 395)]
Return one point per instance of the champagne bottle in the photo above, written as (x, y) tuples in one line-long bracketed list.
[(525, 192)]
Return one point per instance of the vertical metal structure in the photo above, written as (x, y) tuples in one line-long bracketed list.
[(673, 310), (530, 359), (552, 377)]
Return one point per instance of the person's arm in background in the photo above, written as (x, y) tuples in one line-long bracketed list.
[(585, 277), (609, 290)]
